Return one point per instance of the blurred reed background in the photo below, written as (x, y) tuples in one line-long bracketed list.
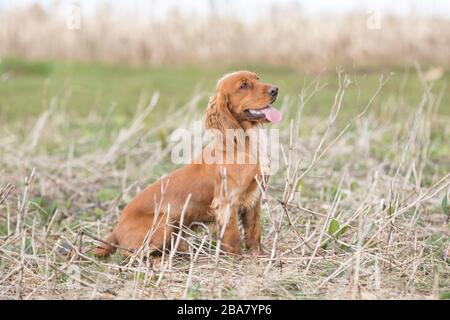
[(282, 35)]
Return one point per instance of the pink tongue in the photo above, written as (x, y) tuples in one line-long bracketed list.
[(272, 114)]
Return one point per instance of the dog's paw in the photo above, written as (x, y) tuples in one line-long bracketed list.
[(258, 252)]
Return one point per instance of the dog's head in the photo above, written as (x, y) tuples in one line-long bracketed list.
[(241, 101)]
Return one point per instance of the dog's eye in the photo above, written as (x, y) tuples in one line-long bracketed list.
[(244, 85)]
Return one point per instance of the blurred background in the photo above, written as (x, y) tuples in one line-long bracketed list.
[(103, 52), (302, 34)]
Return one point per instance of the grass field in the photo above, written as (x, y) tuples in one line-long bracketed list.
[(364, 216), (96, 88)]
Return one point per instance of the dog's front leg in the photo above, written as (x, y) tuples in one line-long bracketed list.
[(226, 212), (252, 229)]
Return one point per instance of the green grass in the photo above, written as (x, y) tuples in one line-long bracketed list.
[(26, 88)]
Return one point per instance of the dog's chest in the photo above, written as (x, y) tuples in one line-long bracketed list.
[(251, 197)]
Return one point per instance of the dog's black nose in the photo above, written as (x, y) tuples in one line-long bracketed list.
[(273, 92)]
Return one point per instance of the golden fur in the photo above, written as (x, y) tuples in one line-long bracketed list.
[(148, 216)]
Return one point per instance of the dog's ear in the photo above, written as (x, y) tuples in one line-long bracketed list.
[(218, 114)]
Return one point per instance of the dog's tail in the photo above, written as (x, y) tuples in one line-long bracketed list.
[(105, 249)]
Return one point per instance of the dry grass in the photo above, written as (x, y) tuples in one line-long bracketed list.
[(379, 179), (286, 37)]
